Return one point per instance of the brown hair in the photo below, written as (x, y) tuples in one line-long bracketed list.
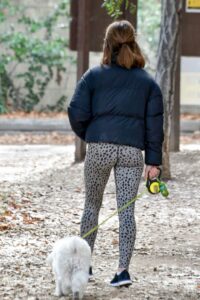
[(120, 46)]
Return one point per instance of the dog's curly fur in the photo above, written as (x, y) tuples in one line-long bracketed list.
[(70, 261)]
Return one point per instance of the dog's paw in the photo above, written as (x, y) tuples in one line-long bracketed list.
[(49, 259), (76, 296), (58, 293)]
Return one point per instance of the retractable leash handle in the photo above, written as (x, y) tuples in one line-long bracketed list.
[(152, 184), (155, 185)]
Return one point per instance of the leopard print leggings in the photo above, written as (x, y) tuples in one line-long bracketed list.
[(128, 166)]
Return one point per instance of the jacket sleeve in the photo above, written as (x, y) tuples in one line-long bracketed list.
[(79, 109), (154, 127)]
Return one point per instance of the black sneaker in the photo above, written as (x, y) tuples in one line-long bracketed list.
[(90, 273), (123, 279)]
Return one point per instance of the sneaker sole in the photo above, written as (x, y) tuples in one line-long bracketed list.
[(121, 283), (91, 278)]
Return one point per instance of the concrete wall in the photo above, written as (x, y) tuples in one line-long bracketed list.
[(190, 84)]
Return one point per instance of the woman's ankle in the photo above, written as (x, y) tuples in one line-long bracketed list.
[(120, 270)]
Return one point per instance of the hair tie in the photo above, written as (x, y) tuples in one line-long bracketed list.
[(128, 43)]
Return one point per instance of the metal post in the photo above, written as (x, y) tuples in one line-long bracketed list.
[(83, 61)]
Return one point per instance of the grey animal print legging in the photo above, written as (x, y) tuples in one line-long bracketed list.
[(128, 165)]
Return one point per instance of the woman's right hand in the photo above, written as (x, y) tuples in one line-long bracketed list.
[(151, 171)]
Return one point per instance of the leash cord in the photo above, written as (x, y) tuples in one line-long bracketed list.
[(114, 213)]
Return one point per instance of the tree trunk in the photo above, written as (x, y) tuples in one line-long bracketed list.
[(168, 54)]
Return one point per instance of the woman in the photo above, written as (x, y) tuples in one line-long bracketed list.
[(117, 109)]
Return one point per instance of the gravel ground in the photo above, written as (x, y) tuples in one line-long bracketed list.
[(41, 200), (63, 138)]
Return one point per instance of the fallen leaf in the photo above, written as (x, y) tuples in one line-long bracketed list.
[(4, 226), (115, 242), (28, 219), (2, 218), (15, 205)]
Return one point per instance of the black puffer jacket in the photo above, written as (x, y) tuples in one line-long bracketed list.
[(116, 105)]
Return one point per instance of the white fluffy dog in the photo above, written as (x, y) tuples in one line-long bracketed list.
[(70, 261)]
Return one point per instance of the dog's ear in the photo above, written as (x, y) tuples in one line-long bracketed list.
[(49, 259)]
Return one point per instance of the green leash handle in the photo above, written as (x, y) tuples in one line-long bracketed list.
[(163, 189)]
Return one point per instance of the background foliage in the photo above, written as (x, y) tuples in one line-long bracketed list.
[(32, 52), (31, 56), (114, 7), (148, 24)]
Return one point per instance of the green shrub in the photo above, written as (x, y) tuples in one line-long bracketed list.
[(44, 58)]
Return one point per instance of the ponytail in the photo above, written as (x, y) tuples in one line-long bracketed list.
[(125, 57), (120, 43)]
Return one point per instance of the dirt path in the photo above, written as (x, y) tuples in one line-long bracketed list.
[(41, 200)]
